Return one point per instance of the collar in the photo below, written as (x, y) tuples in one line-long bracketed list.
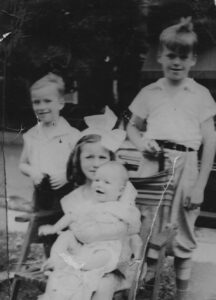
[(62, 128), (188, 84)]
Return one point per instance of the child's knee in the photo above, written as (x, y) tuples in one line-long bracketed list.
[(108, 284)]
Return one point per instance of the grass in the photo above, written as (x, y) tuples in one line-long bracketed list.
[(9, 261), (9, 257)]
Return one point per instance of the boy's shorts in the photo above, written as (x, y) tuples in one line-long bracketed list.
[(184, 176), (46, 198)]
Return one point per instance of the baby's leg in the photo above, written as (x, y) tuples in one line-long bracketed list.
[(65, 242), (64, 284), (94, 259), (104, 255), (106, 288)]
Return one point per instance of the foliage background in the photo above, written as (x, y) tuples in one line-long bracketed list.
[(91, 42)]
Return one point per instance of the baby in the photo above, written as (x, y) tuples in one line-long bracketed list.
[(75, 249)]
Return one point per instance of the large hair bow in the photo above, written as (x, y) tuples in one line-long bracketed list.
[(103, 125)]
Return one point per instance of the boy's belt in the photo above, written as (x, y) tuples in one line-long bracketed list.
[(174, 146)]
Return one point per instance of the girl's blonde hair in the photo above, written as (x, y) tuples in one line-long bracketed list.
[(180, 37), (74, 172)]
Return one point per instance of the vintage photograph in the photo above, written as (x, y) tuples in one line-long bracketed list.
[(108, 143)]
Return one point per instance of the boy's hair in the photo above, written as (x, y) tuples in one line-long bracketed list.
[(49, 79), (74, 172), (180, 37)]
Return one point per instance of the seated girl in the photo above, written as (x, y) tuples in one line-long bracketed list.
[(79, 258)]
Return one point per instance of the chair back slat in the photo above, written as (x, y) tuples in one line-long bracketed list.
[(152, 189)]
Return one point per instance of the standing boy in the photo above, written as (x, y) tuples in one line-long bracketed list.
[(179, 114), (48, 144)]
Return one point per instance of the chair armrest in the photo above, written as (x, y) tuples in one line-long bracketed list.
[(23, 218), (34, 277), (36, 215)]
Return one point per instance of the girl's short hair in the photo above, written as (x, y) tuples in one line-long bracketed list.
[(180, 37), (74, 172)]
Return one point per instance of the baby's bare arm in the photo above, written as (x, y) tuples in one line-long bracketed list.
[(63, 223), (126, 221), (129, 215)]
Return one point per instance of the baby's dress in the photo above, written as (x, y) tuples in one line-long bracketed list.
[(73, 284), (91, 222)]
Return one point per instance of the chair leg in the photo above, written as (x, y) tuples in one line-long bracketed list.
[(27, 242), (135, 292), (158, 272), (15, 289), (23, 257)]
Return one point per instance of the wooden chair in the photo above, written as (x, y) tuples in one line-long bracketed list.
[(156, 191), (36, 218)]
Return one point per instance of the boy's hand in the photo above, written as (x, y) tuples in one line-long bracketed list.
[(36, 177), (58, 180), (46, 229), (150, 146), (194, 200)]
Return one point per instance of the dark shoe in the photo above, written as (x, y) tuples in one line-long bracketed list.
[(145, 291), (143, 294), (149, 285)]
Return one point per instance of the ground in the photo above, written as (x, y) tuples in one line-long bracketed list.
[(29, 291), (9, 258)]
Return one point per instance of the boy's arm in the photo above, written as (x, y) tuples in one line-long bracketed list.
[(208, 153), (27, 169), (136, 138), (64, 222), (58, 180)]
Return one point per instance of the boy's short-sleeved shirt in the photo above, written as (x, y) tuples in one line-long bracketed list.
[(177, 119), (49, 155)]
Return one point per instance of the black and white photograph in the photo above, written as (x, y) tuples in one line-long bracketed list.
[(107, 104)]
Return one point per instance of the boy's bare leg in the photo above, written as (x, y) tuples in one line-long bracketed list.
[(183, 274)]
